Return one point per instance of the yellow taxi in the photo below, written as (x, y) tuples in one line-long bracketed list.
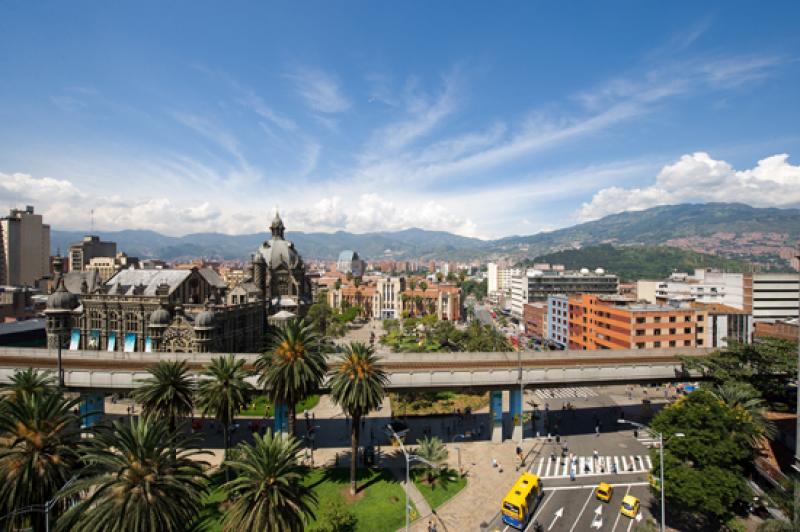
[(604, 492), (630, 506)]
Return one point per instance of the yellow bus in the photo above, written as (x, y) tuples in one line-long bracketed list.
[(521, 501)]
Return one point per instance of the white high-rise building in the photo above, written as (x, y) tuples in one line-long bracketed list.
[(26, 248), (491, 277)]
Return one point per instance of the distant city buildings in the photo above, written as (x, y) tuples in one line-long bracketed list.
[(25, 249), (81, 253), (350, 262), (538, 285)]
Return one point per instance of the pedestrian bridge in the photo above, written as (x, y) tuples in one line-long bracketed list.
[(116, 371)]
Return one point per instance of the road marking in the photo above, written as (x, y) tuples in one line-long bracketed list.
[(539, 469), (585, 486), (575, 523), (649, 462), (538, 511), (624, 463), (558, 513), (630, 525), (619, 514), (616, 464), (586, 466)]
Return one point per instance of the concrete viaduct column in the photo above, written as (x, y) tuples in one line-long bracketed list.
[(496, 415), (515, 412), (92, 408)]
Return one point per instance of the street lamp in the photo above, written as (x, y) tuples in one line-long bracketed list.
[(409, 458), (458, 448), (661, 457)]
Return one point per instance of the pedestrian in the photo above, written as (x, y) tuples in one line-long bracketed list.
[(595, 455), (614, 468), (572, 473), (597, 430)]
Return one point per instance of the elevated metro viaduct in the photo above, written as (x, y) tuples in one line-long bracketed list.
[(94, 373)]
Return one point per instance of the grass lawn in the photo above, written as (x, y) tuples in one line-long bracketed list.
[(443, 489), (262, 404), (378, 506)]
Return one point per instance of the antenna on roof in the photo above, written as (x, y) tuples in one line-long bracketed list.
[(92, 221)]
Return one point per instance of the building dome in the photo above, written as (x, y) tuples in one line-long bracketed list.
[(160, 317), (278, 252), (61, 300), (204, 319)]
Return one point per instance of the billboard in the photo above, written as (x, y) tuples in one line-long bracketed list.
[(130, 342), (75, 340), (93, 340), (112, 341)]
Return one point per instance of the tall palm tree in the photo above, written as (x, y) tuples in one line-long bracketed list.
[(294, 368), (133, 482), (29, 381), (222, 391), (434, 451), (743, 397), (40, 443), (358, 385), (167, 393), (267, 493)]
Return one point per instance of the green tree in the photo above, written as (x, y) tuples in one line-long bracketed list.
[(267, 492), (29, 381), (222, 392), (294, 368), (358, 385), (133, 481), (335, 517), (423, 285), (168, 394), (704, 469), (434, 451), (744, 399), (320, 315), (40, 443), (770, 365), (439, 277)]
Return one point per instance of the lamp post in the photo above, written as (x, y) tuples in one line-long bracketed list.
[(60, 370), (458, 448), (661, 458), (409, 458)]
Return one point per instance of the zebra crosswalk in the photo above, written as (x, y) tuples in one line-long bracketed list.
[(586, 466), (564, 393)]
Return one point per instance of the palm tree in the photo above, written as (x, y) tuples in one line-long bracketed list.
[(223, 391), (358, 385), (40, 443), (29, 381), (294, 368), (133, 482), (433, 450), (167, 393), (744, 398), (267, 492)]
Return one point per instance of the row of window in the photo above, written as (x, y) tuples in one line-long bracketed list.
[(672, 343)]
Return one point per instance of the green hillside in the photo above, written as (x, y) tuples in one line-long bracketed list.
[(638, 262)]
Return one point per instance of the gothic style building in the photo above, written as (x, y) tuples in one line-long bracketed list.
[(170, 310)]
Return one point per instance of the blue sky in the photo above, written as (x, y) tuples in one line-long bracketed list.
[(484, 119)]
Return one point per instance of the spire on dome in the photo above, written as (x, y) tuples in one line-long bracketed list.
[(277, 226)]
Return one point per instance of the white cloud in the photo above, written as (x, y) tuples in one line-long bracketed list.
[(320, 90), (23, 187), (773, 182)]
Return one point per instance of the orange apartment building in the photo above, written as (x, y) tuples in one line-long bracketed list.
[(603, 322)]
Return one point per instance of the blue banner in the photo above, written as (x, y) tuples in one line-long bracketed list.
[(112, 341), (281, 420), (130, 342), (496, 404), (75, 340), (92, 408), (148, 345), (93, 340)]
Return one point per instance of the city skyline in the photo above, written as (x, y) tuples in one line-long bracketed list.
[(362, 118)]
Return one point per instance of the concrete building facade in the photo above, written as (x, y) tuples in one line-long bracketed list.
[(26, 248), (81, 253), (558, 319), (537, 285)]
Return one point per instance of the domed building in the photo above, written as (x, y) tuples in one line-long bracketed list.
[(280, 275)]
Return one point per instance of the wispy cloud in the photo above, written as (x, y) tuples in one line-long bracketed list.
[(320, 90)]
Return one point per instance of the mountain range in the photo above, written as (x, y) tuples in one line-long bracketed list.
[(762, 235)]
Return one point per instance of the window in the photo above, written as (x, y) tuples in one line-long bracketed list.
[(672, 331), (657, 332), (687, 318), (687, 330), (689, 342), (700, 317), (699, 341), (639, 332), (640, 345), (672, 319), (699, 329), (656, 344), (640, 320), (657, 319), (672, 343)]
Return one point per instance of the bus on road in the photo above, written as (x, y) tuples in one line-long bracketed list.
[(522, 500)]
